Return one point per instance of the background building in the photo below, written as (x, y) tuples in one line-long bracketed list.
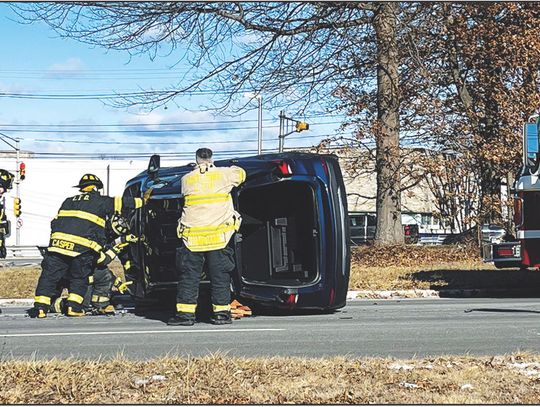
[(49, 181)]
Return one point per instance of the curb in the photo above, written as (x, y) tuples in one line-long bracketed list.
[(370, 294), (15, 302), (392, 294)]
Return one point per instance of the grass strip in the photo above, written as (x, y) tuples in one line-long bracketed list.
[(372, 268), (217, 379)]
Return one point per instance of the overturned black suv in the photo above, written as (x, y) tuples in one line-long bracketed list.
[(292, 250)]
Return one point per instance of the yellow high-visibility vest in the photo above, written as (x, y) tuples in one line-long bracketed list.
[(208, 218)]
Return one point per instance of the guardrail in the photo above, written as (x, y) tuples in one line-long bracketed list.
[(21, 256)]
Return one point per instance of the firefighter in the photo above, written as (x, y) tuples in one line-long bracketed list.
[(207, 223), (101, 282), (6, 183), (104, 280), (78, 235)]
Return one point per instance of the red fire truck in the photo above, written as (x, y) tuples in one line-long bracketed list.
[(522, 247)]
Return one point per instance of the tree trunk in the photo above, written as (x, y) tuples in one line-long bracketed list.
[(490, 172), (389, 227)]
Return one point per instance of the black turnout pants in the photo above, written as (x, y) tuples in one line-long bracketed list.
[(74, 269), (189, 266), (99, 292)]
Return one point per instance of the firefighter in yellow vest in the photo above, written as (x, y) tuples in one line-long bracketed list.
[(206, 226), (78, 235)]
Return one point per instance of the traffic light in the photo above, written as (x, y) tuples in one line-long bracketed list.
[(22, 171), (17, 207), (300, 126)]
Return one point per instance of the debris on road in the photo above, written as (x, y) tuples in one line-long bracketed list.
[(239, 311), (398, 366), (154, 378), (409, 385), (527, 369)]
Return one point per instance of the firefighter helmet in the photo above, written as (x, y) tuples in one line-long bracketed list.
[(119, 225), (88, 180), (6, 179)]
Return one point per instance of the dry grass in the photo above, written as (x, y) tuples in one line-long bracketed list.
[(217, 379), (372, 268), (412, 255), (432, 267), (405, 278), (21, 282), (18, 282)]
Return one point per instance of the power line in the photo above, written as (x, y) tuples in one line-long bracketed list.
[(133, 131), (158, 142), (116, 95), (119, 70), (146, 154), (134, 124), (152, 131), (162, 124)]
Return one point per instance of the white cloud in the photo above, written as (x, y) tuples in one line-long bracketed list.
[(153, 119), (66, 68), (15, 88)]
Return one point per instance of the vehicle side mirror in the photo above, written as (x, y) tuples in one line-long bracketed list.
[(153, 165), (530, 145)]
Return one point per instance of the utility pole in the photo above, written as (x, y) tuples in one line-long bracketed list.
[(284, 123), (281, 130), (257, 96), (108, 177), (259, 129)]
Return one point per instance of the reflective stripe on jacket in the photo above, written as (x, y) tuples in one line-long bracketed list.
[(208, 218), (79, 225)]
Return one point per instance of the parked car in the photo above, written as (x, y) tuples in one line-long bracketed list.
[(292, 249), (364, 224)]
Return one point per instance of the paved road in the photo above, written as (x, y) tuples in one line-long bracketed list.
[(403, 328)]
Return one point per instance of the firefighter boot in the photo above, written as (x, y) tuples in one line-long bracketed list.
[(37, 312), (106, 310), (73, 312), (58, 306), (182, 319), (221, 318)]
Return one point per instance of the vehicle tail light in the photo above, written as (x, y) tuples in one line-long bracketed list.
[(284, 168), (292, 300), (505, 252), (518, 212), (332, 296), (407, 230)]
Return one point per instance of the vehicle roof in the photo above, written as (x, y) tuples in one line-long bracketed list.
[(258, 163)]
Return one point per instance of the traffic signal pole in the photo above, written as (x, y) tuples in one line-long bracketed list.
[(17, 191), (17, 181), (284, 123)]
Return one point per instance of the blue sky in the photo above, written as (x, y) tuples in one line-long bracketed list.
[(35, 61)]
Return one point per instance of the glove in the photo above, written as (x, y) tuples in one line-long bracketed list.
[(131, 238), (147, 194), (120, 246), (122, 286)]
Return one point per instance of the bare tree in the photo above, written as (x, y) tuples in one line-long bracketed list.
[(469, 79), (487, 70), (298, 55)]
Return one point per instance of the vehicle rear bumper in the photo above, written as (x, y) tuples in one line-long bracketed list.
[(505, 254)]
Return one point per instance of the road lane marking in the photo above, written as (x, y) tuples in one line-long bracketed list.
[(140, 332)]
